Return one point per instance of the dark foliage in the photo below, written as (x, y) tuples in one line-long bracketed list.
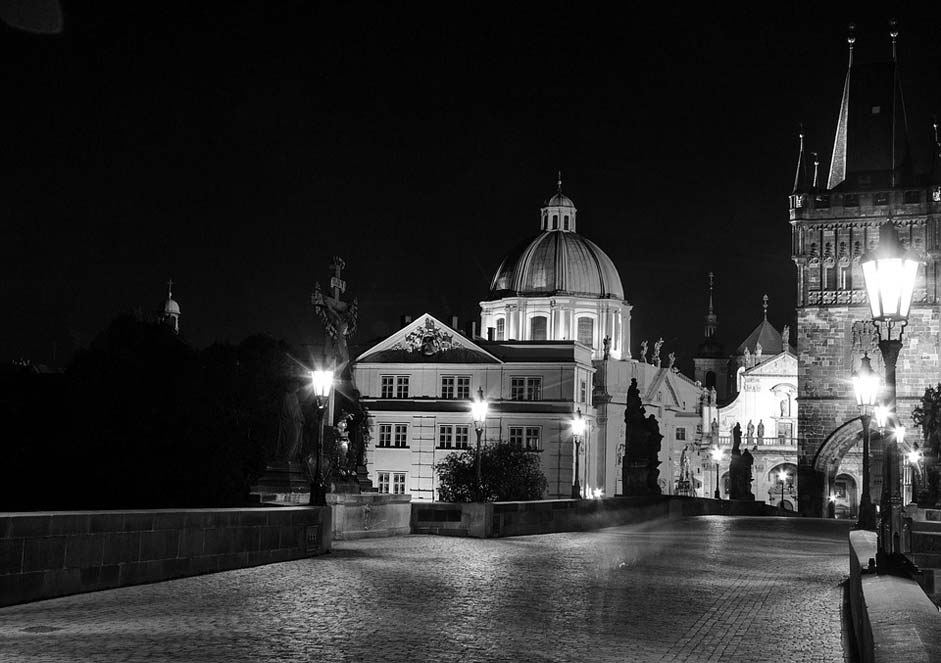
[(140, 419), (509, 474)]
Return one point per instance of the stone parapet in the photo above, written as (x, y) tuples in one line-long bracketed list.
[(48, 554)]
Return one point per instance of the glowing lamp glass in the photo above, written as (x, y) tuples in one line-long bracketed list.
[(881, 413), (899, 434), (866, 384), (578, 425), (890, 273), (479, 409), (322, 382), (717, 455)]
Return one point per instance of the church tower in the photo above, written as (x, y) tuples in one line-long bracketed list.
[(711, 362), (871, 181), (169, 311)]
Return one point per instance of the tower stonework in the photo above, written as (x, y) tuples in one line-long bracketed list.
[(871, 182)]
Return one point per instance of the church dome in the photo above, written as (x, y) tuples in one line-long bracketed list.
[(171, 307), (557, 262), (560, 200)]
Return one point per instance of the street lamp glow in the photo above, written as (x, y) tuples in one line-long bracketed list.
[(881, 413), (783, 476), (578, 424), (890, 273), (899, 434), (322, 382), (479, 409), (717, 454), (914, 456), (866, 383)]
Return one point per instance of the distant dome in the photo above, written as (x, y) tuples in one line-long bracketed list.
[(170, 307), (556, 262), (560, 200)]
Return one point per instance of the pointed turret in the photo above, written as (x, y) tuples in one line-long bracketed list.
[(871, 146), (169, 311), (935, 173)]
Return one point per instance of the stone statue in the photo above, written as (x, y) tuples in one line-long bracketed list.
[(786, 338), (715, 430), (747, 357), (740, 465), (606, 344), (750, 434), (761, 430), (643, 351), (671, 359), (758, 352), (785, 402), (339, 318), (656, 352), (639, 471), (290, 429)]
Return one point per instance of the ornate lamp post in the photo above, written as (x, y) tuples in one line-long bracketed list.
[(783, 476), (866, 385), (321, 383), (479, 414), (578, 430), (717, 457), (890, 273)]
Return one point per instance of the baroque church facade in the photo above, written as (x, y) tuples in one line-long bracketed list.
[(871, 181), (555, 343)]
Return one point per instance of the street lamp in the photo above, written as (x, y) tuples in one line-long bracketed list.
[(783, 476), (321, 384), (717, 457), (890, 273), (479, 414), (578, 430), (866, 385)]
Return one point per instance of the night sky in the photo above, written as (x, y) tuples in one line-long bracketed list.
[(236, 148)]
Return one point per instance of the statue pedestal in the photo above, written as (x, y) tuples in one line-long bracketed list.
[(283, 482), (635, 480)]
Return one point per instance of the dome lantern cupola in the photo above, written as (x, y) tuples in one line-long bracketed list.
[(558, 213)]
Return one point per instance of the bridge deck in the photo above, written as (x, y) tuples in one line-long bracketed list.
[(701, 589)]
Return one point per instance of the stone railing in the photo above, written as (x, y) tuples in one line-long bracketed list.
[(726, 441)]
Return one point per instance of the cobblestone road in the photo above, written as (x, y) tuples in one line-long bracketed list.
[(702, 589)]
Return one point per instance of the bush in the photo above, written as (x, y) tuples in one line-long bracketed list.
[(508, 474)]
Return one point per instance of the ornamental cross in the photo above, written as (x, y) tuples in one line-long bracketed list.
[(337, 283)]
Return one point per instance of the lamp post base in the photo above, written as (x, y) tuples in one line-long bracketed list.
[(576, 490), (867, 517)]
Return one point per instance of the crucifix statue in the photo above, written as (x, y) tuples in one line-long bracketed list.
[(338, 316)]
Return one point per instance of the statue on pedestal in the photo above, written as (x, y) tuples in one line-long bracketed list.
[(656, 352), (643, 351), (750, 436), (641, 458), (761, 430), (740, 465)]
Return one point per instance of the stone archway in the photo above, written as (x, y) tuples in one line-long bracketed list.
[(817, 480)]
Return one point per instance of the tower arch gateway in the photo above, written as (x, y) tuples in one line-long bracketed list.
[(559, 285), (871, 180)]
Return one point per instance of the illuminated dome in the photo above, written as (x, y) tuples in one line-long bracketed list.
[(557, 262)]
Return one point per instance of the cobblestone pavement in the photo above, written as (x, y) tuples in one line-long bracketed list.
[(701, 589)]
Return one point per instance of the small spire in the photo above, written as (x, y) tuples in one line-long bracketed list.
[(800, 175), (711, 318), (558, 184), (838, 158), (764, 305), (816, 167), (711, 275), (170, 289), (851, 39)]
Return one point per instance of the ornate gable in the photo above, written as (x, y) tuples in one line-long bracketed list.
[(427, 340)]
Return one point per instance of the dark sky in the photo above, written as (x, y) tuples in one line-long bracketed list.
[(236, 148)]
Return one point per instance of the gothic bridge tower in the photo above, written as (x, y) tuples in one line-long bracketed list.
[(871, 181)]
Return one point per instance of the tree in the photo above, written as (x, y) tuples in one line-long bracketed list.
[(927, 416), (509, 474)]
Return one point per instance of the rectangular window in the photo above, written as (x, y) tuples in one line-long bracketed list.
[(846, 277), (680, 433), (445, 437), (401, 386), (393, 482), (538, 328), (851, 200), (385, 435), (881, 198), (582, 391), (525, 437), (586, 331), (829, 277), (501, 329), (400, 435), (912, 197), (461, 437), (447, 386), (455, 386), (525, 389), (393, 386), (463, 387)]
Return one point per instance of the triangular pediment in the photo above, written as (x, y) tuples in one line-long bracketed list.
[(662, 391), (427, 340), (782, 363)]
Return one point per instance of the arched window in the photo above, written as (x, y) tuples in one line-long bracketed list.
[(538, 328), (555, 221), (501, 329), (565, 222), (710, 379), (586, 331)]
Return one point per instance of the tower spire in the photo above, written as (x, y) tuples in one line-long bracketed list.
[(764, 305), (712, 319), (558, 185), (816, 168), (170, 288), (800, 175), (838, 160), (935, 153)]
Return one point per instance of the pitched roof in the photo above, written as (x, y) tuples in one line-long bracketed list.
[(767, 335)]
